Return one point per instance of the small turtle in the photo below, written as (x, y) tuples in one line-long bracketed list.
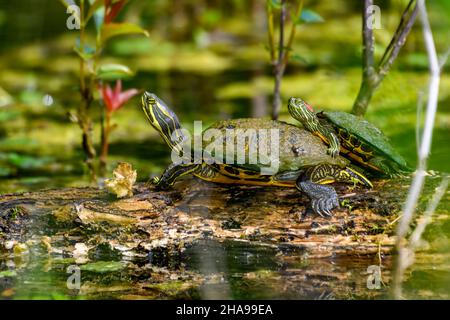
[(302, 158), (353, 137)]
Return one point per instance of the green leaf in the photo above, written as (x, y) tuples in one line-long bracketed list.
[(116, 29), (113, 72), (310, 16)]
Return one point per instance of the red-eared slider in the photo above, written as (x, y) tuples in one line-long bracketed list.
[(301, 158), (355, 138)]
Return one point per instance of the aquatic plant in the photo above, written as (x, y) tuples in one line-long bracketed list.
[(113, 100), (91, 73)]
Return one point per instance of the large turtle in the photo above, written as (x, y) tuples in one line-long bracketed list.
[(355, 138), (302, 158)]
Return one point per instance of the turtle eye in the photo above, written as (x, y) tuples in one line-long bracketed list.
[(151, 101)]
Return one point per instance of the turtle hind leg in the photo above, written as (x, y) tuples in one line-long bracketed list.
[(323, 198), (172, 173), (328, 173)]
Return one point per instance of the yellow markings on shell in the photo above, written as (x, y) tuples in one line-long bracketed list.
[(220, 178), (241, 178)]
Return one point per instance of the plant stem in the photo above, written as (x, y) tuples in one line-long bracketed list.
[(84, 120), (372, 78), (278, 68), (270, 32), (280, 61), (298, 13), (405, 249), (106, 128)]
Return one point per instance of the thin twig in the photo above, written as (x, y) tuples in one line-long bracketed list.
[(372, 78), (444, 59), (298, 13), (404, 253), (278, 68), (270, 32), (419, 120), (281, 38), (368, 42), (426, 218), (403, 28)]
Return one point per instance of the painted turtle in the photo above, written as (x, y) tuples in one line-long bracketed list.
[(352, 136), (302, 160)]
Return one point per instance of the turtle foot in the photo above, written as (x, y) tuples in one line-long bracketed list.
[(323, 198), (160, 184)]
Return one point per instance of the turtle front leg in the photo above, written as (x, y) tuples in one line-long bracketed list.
[(172, 173), (334, 144)]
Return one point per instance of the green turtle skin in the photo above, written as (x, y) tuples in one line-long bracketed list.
[(301, 159)]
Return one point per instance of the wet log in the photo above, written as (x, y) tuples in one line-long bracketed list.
[(202, 240), (194, 210)]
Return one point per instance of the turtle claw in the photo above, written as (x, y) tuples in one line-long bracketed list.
[(327, 212), (323, 198), (322, 207), (160, 184)]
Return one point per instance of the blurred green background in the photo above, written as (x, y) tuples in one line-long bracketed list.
[(207, 59)]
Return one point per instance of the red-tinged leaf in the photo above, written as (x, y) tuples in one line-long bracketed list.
[(112, 10), (127, 95), (114, 99)]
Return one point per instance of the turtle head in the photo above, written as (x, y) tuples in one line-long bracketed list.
[(304, 113), (163, 119)]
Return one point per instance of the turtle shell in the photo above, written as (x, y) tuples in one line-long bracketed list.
[(297, 147), (367, 133)]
